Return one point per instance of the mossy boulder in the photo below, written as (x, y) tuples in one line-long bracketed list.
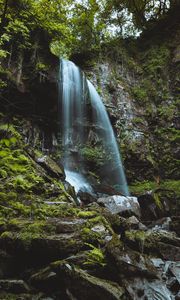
[(53, 169), (158, 243), (78, 283)]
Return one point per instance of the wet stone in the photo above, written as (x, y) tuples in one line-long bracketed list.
[(125, 206)]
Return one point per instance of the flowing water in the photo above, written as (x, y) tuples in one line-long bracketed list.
[(77, 96)]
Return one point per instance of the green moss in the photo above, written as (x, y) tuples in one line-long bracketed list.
[(142, 187), (95, 256), (135, 235), (10, 130), (6, 212), (89, 236), (27, 237), (3, 174), (20, 209), (6, 234), (87, 214)]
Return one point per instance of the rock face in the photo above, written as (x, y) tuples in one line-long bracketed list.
[(121, 205)]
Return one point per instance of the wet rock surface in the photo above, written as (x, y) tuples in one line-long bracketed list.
[(121, 205)]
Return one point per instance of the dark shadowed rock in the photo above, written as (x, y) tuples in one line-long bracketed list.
[(154, 205), (81, 285), (174, 224), (14, 286), (106, 190), (84, 286), (41, 249), (85, 197)]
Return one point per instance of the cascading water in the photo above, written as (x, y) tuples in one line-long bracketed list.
[(76, 96), (108, 139), (72, 103)]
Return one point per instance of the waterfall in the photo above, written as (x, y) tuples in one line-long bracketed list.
[(108, 138), (81, 112)]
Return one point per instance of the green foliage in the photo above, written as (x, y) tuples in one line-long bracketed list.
[(156, 60), (140, 94), (94, 154)]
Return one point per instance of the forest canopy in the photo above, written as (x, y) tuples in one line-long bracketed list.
[(72, 26)]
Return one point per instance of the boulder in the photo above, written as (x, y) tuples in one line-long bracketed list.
[(169, 271), (124, 206), (52, 168)]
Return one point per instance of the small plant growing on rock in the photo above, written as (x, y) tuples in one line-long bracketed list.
[(95, 256)]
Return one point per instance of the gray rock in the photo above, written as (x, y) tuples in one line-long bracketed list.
[(69, 225), (174, 268), (145, 289), (51, 167), (157, 262), (125, 206), (134, 223), (99, 228)]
